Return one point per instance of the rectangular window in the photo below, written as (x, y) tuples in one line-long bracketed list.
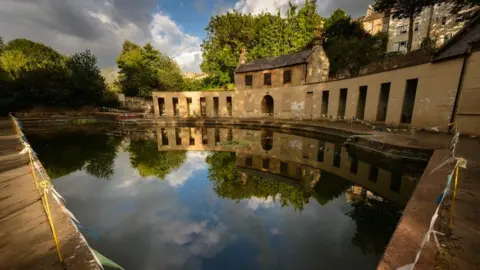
[(164, 137), (249, 161), (354, 166), (248, 80), (217, 136), (215, 106), (178, 139), (362, 99), (337, 155), (203, 106), (402, 29), (191, 138), (383, 102), (409, 101), (373, 174), (229, 106), (396, 182), (266, 164), (204, 136), (161, 106), (343, 102), (385, 27), (267, 79), (189, 106), (400, 46), (444, 20), (417, 25), (325, 96), (176, 111), (287, 76), (321, 151), (283, 167)]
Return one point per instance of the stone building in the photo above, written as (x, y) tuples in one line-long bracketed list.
[(435, 94), (437, 22), (308, 66), (374, 22)]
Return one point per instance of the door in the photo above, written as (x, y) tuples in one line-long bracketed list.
[(309, 105)]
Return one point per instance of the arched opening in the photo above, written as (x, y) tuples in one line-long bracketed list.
[(267, 105), (267, 140)]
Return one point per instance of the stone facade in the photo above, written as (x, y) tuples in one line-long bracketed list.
[(430, 95), (438, 20)]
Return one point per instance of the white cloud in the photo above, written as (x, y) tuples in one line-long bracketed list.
[(172, 40), (195, 161), (256, 203), (272, 6)]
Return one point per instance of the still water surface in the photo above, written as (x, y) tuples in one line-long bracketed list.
[(217, 198)]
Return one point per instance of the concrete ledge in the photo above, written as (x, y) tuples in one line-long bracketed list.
[(415, 221)]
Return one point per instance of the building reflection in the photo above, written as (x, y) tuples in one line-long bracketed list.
[(296, 160)]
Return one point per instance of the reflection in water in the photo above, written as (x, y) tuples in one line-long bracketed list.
[(244, 199)]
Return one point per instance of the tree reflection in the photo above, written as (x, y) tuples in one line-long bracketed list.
[(376, 221), (329, 187), (228, 182), (145, 157), (66, 152)]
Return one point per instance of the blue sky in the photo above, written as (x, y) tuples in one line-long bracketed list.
[(175, 27)]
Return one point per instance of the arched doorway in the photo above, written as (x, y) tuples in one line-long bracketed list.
[(267, 105)]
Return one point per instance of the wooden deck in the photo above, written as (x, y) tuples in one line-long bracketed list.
[(26, 240)]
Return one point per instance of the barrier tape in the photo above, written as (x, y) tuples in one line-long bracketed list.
[(44, 188), (41, 185), (460, 163)]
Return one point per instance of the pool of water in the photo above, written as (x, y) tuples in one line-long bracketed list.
[(222, 198)]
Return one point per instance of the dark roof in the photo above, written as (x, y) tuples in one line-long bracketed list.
[(459, 44), (373, 16), (275, 62)]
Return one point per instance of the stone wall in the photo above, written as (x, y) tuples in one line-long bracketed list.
[(298, 78), (432, 104)]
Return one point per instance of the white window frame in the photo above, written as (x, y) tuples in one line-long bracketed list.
[(401, 30), (416, 27)]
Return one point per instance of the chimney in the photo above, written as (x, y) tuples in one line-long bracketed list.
[(318, 39), (243, 56)]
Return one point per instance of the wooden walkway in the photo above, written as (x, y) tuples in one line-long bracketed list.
[(26, 240)]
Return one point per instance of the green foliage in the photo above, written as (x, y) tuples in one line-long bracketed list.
[(66, 152), (428, 44), (34, 74), (145, 157), (401, 9), (263, 35), (145, 69), (348, 46)]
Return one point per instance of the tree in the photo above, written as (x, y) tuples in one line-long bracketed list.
[(348, 46), (145, 69), (35, 74), (87, 84), (145, 157), (263, 35), (400, 9)]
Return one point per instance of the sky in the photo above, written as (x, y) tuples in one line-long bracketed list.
[(175, 27)]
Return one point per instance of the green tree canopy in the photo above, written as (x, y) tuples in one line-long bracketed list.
[(145, 157), (263, 35), (145, 69), (35, 74)]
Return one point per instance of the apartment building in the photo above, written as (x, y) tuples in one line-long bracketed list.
[(436, 22)]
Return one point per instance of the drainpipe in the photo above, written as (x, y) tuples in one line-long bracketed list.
[(306, 71), (457, 95)]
